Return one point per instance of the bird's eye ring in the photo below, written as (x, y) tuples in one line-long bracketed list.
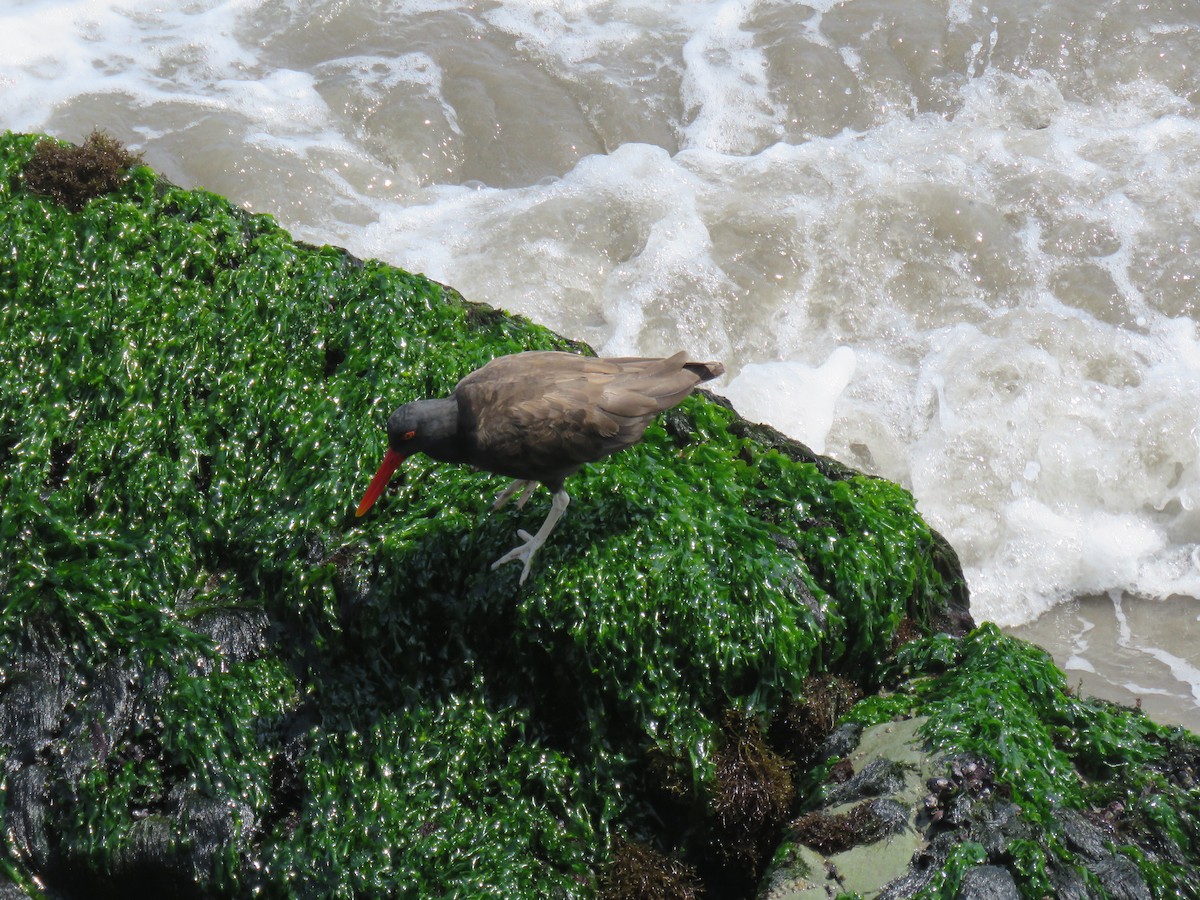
[(409, 435)]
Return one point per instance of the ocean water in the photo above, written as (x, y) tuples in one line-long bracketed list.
[(956, 243)]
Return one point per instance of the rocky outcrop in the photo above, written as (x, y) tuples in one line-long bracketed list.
[(998, 782), (215, 681)]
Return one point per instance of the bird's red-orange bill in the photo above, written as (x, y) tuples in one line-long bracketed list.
[(391, 461)]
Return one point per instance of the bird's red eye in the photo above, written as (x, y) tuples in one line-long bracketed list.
[(409, 435)]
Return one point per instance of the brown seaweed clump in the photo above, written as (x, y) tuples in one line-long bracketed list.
[(830, 833), (638, 872), (751, 795), (801, 724), (73, 175)]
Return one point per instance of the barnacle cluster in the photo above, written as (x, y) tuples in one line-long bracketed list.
[(968, 779)]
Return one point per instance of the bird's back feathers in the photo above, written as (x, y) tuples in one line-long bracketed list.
[(542, 415)]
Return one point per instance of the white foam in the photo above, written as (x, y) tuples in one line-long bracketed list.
[(617, 249), (726, 100), (1183, 671), (1078, 664), (798, 398)]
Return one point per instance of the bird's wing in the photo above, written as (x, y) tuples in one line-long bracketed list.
[(558, 410)]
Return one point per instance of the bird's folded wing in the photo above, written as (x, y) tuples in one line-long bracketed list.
[(565, 408)]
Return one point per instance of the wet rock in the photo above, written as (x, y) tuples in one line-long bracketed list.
[(841, 741), (957, 811), (9, 891), (96, 726), (1121, 878), (34, 696), (212, 824), (911, 883), (1068, 883), (239, 634), (988, 883), (890, 815), (880, 778), (146, 856), (25, 815), (1082, 836), (997, 824)]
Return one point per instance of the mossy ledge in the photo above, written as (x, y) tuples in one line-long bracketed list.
[(214, 681)]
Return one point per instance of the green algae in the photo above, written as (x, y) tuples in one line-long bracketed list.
[(214, 727), (1003, 700), (457, 800), (190, 406)]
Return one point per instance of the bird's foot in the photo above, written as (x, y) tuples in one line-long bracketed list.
[(524, 552), (534, 541)]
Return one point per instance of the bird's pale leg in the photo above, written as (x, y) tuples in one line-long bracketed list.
[(530, 487), (534, 542), (506, 494)]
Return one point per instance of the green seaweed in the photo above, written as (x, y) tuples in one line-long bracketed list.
[(190, 407), (436, 802)]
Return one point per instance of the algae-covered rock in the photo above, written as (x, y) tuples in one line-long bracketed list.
[(864, 834), (1010, 786), (215, 681)]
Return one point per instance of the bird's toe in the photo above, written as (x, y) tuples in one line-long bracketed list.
[(516, 553), (523, 553)]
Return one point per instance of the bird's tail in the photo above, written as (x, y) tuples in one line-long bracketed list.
[(705, 371)]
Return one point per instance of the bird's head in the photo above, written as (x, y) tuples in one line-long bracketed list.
[(412, 428), (406, 428)]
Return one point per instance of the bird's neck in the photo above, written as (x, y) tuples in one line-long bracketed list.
[(439, 430)]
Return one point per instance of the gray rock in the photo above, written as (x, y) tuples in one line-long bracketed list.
[(25, 815), (9, 891), (988, 883), (1121, 878), (1068, 883), (35, 694), (880, 778), (841, 742), (1082, 836), (95, 728)]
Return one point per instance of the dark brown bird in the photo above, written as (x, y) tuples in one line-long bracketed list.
[(538, 418)]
